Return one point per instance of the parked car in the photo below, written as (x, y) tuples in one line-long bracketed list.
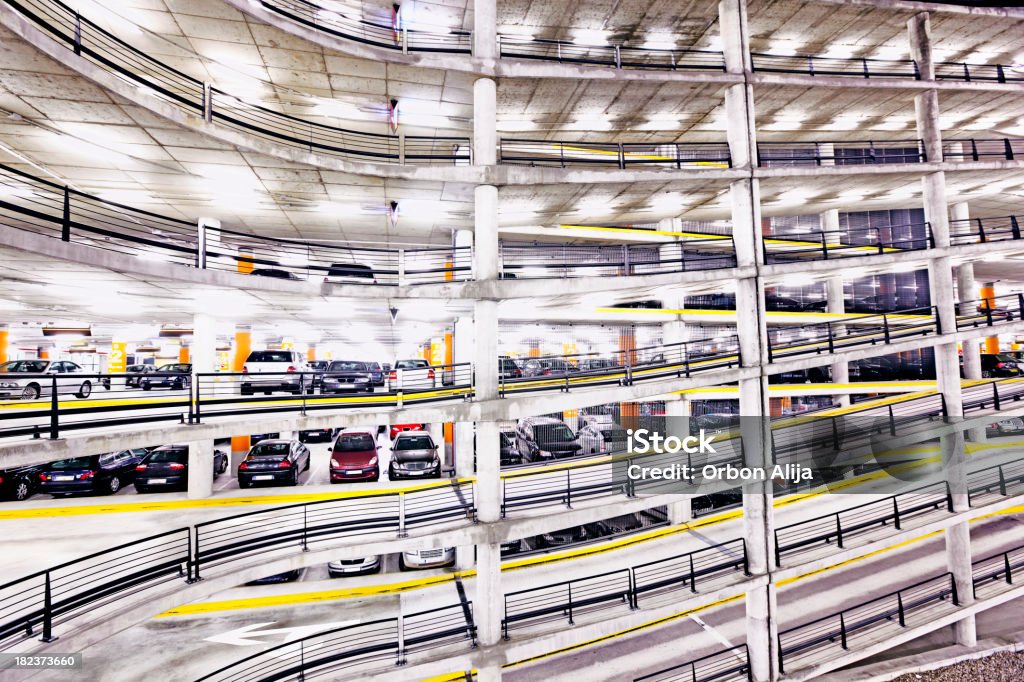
[(344, 376), (311, 435), (273, 461), (177, 375), (317, 367), (998, 365), (361, 566), (564, 536), (95, 474), (18, 380), (415, 375), (283, 370), (535, 367), (167, 467), (286, 577), (1005, 427), (396, 429), (19, 483), (427, 558), (376, 373), (714, 422), (510, 547), (509, 453), (601, 437), (619, 525), (873, 369), (508, 368), (598, 364), (258, 437), (276, 273), (351, 273), (136, 373), (814, 375), (354, 457), (414, 455), (542, 439)]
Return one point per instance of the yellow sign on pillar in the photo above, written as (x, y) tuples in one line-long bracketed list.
[(5, 336), (436, 358), (183, 354), (118, 360)]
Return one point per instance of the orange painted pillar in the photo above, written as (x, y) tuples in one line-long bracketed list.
[(244, 263), (243, 344), (449, 360), (44, 353), (629, 413), (534, 350), (988, 300), (239, 443), (183, 354), (5, 336), (311, 353)]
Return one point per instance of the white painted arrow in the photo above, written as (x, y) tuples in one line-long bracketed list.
[(244, 636)]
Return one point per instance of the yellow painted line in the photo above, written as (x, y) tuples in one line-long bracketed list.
[(449, 677), (635, 155), (667, 233), (854, 560)]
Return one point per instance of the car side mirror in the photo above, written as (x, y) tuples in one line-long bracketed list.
[(434, 448)]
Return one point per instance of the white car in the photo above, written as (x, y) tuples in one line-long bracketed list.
[(29, 379), (282, 370), (602, 437), (427, 558), (411, 375), (360, 566)]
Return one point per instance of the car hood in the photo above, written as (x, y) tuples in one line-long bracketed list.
[(354, 458), (412, 455)]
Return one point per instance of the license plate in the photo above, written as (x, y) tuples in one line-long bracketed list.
[(264, 477), (157, 480), (415, 473), (345, 385), (353, 472), (63, 478)]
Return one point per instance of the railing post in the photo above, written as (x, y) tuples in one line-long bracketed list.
[(899, 606), (207, 102), (1006, 566), (78, 33), (401, 267), (1014, 227), (571, 622), (65, 222), (693, 577), (885, 326), (402, 532), (892, 421), (618, 56), (1008, 148), (568, 488), (1000, 74), (831, 340), (47, 612), (778, 553), (842, 630), (995, 396), (839, 531), (974, 149), (622, 156), (54, 406), (405, 40), (782, 669), (201, 244), (305, 529), (824, 246), (896, 511), (1002, 481), (981, 232), (400, 652), (955, 595)]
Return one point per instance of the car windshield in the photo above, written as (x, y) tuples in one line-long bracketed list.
[(73, 463), (414, 443), (271, 450), (614, 434), (319, 364), (346, 366), (175, 368), (25, 366), (358, 442), (411, 364), (136, 368), (169, 455), (506, 439), (553, 433), (270, 356), (1003, 358)]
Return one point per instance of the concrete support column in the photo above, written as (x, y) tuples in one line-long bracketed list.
[(485, 131), (488, 599), (835, 303), (488, 472), (681, 510), (485, 31), (200, 469), (463, 352)]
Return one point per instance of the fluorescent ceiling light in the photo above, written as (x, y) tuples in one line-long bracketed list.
[(593, 37), (839, 52), (659, 41)]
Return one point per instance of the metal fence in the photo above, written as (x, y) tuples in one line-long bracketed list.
[(981, 230), (564, 154), (196, 97), (852, 332), (989, 312), (834, 66), (728, 665), (996, 573), (912, 605), (392, 37), (616, 56), (843, 243), (974, 149), (839, 153)]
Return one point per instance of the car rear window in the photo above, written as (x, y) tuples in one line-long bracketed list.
[(614, 435), (347, 366), (175, 455), (354, 443), (411, 364), (269, 356), (271, 450), (29, 366), (73, 463), (414, 443), (175, 368), (553, 433)]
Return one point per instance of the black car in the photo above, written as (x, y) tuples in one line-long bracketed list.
[(136, 373), (873, 369), (19, 483), (176, 375), (998, 365), (565, 536), (351, 272), (814, 375), (542, 439), (258, 437), (312, 435), (714, 422), (96, 474), (167, 467), (376, 373), (509, 453), (345, 376), (318, 367), (276, 273), (286, 577), (508, 368), (273, 461)]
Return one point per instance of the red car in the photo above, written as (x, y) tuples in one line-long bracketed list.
[(399, 428), (354, 457)]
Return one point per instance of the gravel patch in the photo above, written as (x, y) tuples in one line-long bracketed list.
[(1001, 667)]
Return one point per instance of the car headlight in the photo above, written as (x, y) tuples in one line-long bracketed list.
[(373, 462), (544, 453), (436, 462), (9, 384), (336, 464)]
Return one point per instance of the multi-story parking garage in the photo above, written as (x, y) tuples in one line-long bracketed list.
[(269, 263)]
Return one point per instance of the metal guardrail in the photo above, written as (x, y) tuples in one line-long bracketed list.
[(843, 243), (334, 650), (914, 601), (839, 153), (989, 312), (982, 230), (392, 36), (987, 573), (728, 665), (623, 586), (834, 66), (961, 71), (616, 56), (195, 97), (973, 149), (863, 330), (564, 154)]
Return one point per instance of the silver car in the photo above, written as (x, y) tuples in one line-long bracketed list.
[(29, 379), (427, 558), (414, 455), (360, 566)]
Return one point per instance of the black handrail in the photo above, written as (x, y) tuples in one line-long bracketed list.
[(727, 665)]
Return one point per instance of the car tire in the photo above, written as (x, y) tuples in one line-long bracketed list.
[(22, 490), (223, 467), (401, 564), (375, 479), (295, 478), (114, 484), (246, 390), (141, 489), (985, 374), (85, 390), (243, 484), (391, 474), (146, 387), (30, 392), (309, 460)]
